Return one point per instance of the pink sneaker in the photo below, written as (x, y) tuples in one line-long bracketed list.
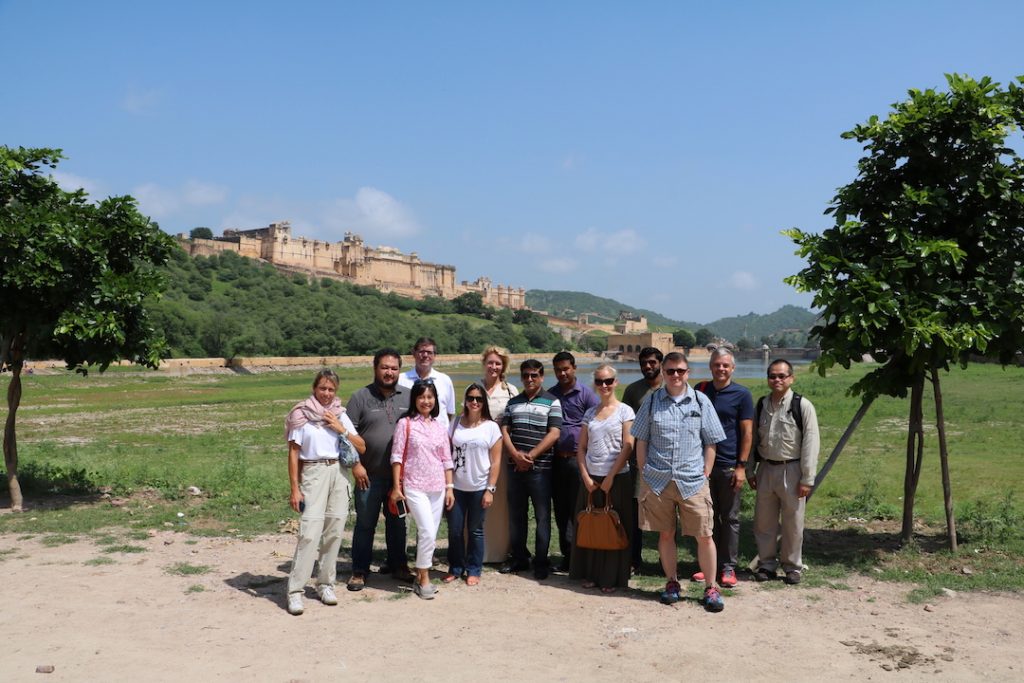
[(728, 578), (697, 576)]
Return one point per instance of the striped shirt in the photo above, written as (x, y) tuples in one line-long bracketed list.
[(529, 420), (676, 433)]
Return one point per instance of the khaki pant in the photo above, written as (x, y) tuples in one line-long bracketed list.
[(777, 489), (325, 489)]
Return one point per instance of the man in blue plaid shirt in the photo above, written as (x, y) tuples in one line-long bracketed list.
[(676, 430)]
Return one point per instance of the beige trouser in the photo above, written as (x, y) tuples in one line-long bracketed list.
[(777, 496), (325, 489)]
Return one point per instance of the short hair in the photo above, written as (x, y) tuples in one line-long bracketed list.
[(649, 351), (676, 357), (502, 353), (722, 351), (485, 408), (424, 341), (327, 374), (420, 387), (781, 361), (606, 366), (387, 352), (531, 364), (564, 356)]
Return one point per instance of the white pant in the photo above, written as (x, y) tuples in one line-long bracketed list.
[(325, 490), (426, 512), (778, 496)]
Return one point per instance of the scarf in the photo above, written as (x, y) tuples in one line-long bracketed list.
[(310, 410)]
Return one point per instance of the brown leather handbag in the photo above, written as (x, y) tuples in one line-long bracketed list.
[(600, 528)]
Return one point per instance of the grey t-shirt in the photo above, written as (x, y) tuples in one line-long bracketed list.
[(374, 417)]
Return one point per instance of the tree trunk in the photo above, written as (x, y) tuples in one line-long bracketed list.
[(823, 472), (915, 453), (947, 491), (14, 359)]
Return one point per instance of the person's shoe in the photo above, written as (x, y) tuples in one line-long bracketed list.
[(728, 578), (541, 573), (426, 592), (697, 576), (403, 574), (563, 566), (762, 575), (792, 577), (327, 595), (356, 582), (713, 599), (670, 595), (295, 605), (384, 569), (512, 567)]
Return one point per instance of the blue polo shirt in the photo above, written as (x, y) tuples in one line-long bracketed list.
[(733, 403)]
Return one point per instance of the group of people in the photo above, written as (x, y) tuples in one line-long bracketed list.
[(666, 453)]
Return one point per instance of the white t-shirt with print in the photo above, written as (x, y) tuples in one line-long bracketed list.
[(471, 454)]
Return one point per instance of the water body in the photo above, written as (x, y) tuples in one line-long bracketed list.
[(629, 371)]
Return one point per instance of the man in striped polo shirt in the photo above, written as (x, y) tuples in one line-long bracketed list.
[(529, 430)]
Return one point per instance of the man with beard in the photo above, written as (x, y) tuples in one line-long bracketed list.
[(636, 392), (374, 410)]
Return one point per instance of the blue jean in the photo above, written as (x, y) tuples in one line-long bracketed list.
[(463, 557), (523, 488), (368, 507)]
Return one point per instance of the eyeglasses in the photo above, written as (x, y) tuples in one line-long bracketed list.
[(425, 352), (530, 375), (474, 399), (424, 382), (675, 371), (607, 382), (777, 375)]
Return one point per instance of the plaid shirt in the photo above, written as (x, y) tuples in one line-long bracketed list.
[(676, 433)]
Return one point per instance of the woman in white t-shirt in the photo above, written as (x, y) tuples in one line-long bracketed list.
[(476, 452), (603, 450), (319, 487)]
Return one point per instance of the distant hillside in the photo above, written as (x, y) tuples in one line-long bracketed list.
[(570, 304), (791, 322)]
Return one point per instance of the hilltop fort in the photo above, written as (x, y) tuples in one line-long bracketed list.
[(384, 268)]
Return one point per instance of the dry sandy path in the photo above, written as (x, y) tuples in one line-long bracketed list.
[(132, 620)]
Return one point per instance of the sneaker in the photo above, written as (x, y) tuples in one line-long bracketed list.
[(511, 567), (728, 578), (762, 575), (792, 577), (426, 592), (697, 576), (295, 603), (670, 595), (713, 599), (541, 573), (327, 595)]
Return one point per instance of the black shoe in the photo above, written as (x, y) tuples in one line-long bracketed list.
[(762, 575), (563, 567), (384, 569), (792, 577), (541, 573), (512, 567)]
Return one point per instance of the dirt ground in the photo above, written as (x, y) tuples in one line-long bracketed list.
[(134, 620)]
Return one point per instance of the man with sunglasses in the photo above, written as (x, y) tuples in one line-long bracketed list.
[(423, 352), (529, 430), (676, 430), (783, 476)]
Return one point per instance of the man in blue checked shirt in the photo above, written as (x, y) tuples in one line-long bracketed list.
[(676, 430)]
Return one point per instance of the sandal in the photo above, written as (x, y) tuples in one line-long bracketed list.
[(590, 584), (472, 580), (448, 578), (608, 590)]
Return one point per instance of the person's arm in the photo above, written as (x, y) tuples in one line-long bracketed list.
[(545, 444), (519, 458), (745, 432), (709, 458), (624, 453), (294, 469), (641, 455), (810, 443), (398, 449), (494, 473), (581, 458)]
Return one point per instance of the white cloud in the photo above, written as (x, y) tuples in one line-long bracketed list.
[(743, 280), (535, 244), (665, 261), (558, 265), (617, 243), (71, 182), (138, 101), (163, 202), (373, 213)]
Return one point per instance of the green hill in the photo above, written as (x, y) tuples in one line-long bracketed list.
[(570, 304), (791, 322)]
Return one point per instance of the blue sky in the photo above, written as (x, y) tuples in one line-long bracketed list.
[(647, 151)]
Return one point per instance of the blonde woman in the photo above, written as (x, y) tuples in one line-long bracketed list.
[(603, 453), (499, 390)]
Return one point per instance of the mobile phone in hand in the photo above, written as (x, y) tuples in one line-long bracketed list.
[(302, 506), (402, 510)]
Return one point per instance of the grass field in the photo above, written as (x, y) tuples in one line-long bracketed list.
[(121, 449)]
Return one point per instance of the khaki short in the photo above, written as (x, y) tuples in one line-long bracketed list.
[(658, 512)]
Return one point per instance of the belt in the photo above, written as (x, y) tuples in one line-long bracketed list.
[(321, 461), (779, 462)]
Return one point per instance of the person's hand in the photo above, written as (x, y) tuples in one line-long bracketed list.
[(521, 461), (332, 422), (752, 480), (487, 501), (739, 475), (295, 499), (361, 477), (449, 499), (606, 485), (803, 490), (396, 494)]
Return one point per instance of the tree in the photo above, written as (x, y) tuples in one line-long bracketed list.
[(704, 336), (470, 303), (744, 344), (201, 233), (922, 267), (684, 338), (74, 279)]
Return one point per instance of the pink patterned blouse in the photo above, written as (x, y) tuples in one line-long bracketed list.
[(428, 456)]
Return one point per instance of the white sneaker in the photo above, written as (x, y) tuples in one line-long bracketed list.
[(327, 595), (295, 603)]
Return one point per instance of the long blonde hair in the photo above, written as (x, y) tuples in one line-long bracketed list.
[(502, 353)]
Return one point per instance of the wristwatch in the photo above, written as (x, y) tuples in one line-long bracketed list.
[(491, 489)]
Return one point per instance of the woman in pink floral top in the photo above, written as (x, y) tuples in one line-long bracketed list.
[(421, 464)]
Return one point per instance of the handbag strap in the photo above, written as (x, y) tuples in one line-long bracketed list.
[(590, 502)]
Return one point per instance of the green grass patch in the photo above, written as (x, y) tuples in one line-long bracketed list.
[(99, 561), (186, 569), (124, 548), (194, 588), (54, 540)]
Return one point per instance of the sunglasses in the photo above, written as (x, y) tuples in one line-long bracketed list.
[(424, 382), (474, 399), (675, 371), (777, 375), (604, 382)]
